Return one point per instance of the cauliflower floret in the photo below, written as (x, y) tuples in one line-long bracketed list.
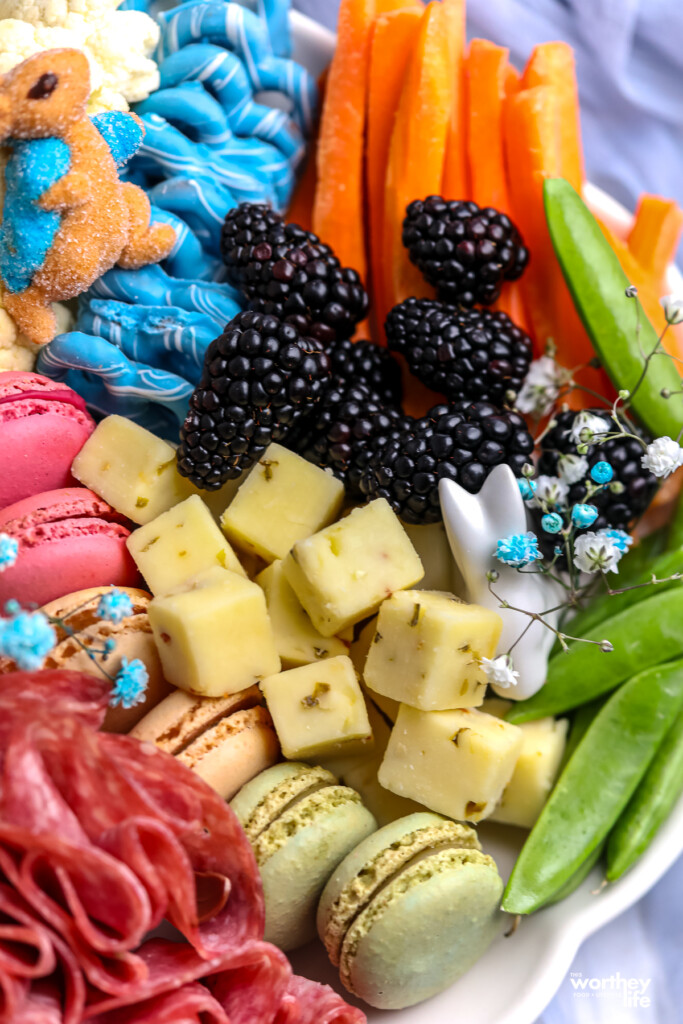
[(104, 99), (122, 45), (19, 40), (54, 13)]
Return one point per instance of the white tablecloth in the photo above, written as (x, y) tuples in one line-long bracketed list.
[(629, 57)]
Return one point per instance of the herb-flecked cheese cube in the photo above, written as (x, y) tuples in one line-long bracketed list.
[(359, 771), (213, 634), (317, 709), (543, 743), (455, 762), (297, 640), (427, 650), (343, 573), (180, 544), (131, 468), (284, 499)]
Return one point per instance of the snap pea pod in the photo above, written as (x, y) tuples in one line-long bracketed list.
[(581, 720), (605, 607), (649, 806), (647, 634), (598, 287), (595, 786), (577, 878), (674, 537)]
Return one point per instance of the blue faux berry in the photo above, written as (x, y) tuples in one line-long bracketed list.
[(602, 472), (584, 516), (552, 522)]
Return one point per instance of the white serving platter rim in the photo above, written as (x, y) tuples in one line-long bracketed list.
[(519, 975)]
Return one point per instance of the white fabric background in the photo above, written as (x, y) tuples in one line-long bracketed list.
[(629, 57)]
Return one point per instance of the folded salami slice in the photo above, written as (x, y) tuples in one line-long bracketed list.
[(102, 838)]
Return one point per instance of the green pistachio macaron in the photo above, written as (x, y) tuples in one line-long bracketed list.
[(300, 824), (410, 910)]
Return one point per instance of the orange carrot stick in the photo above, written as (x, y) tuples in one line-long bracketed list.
[(532, 154), (649, 290), (390, 6), (417, 149), (455, 183), (553, 64), (338, 211), (393, 39), (485, 75), (513, 80), (655, 234)]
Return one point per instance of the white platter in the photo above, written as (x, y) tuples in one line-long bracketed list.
[(519, 975)]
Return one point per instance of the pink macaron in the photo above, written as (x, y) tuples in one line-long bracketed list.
[(43, 426), (69, 539)]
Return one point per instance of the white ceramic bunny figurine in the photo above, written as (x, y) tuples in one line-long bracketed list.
[(474, 524)]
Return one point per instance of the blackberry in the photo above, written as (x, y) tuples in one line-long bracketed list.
[(464, 251), (260, 378), (635, 488), (288, 272), (471, 353), (363, 362), (349, 424), (461, 441)]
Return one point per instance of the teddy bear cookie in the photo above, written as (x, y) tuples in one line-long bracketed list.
[(66, 216)]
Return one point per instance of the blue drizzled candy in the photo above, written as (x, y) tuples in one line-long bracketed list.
[(187, 258), (223, 75), (196, 112), (110, 382), (166, 337), (202, 204), (245, 34), (152, 285)]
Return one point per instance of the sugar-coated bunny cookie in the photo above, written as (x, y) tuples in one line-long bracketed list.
[(66, 216)]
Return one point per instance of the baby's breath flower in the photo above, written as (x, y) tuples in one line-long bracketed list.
[(594, 552), (519, 549), (619, 538), (584, 516), (602, 473), (114, 606), (572, 468), (662, 457), (499, 671), (130, 684), (27, 638), (541, 386), (587, 428), (550, 490), (527, 488), (9, 549), (673, 309), (552, 522)]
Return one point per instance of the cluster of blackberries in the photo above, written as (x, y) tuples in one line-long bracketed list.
[(286, 370)]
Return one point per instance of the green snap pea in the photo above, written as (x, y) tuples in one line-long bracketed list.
[(581, 720), (578, 877), (595, 786), (647, 634), (674, 537), (650, 805), (598, 286), (605, 607)]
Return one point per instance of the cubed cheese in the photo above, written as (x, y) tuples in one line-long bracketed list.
[(180, 544), (284, 499), (359, 771), (343, 573), (455, 762), (297, 640), (213, 634), (358, 654), (427, 650), (431, 544), (131, 468), (317, 709), (543, 743)]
